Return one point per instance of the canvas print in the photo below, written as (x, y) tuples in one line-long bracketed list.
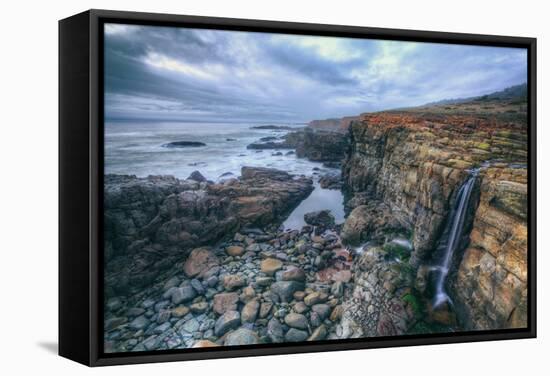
[(266, 188)]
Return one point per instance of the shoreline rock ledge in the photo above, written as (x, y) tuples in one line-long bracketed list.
[(151, 223)]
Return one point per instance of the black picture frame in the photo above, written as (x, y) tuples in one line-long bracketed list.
[(81, 186)]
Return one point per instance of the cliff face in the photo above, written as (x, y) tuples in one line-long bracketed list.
[(409, 166), (491, 281), (320, 146)]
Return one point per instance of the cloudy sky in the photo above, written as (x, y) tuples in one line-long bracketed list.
[(162, 73)]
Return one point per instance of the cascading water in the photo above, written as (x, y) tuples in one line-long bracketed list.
[(454, 231)]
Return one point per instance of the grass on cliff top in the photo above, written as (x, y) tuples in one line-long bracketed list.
[(505, 110)]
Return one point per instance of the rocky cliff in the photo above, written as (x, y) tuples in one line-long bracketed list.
[(315, 145), (491, 281), (335, 125), (407, 167), (320, 146)]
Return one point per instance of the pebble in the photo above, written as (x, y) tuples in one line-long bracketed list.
[(168, 293), (148, 303), (204, 343), (113, 322), (212, 281), (229, 320), (315, 319), (207, 325), (313, 298), (300, 307), (285, 290), (323, 310), (199, 307), (270, 266), (172, 282), (294, 274), (163, 316), (233, 281), (150, 343), (265, 309), (140, 322), (337, 289), (295, 335), (250, 311), (241, 336), (183, 294), (299, 295), (190, 326), (264, 281), (275, 331), (161, 305), (337, 313), (225, 302), (212, 272), (318, 334), (248, 294), (162, 328), (135, 311), (197, 285), (180, 311), (235, 250), (296, 320)]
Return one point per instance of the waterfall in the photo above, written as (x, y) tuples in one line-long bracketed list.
[(454, 229)]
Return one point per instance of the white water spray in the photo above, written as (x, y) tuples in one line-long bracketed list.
[(454, 235)]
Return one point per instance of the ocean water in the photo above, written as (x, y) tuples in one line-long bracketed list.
[(135, 148), (319, 199)]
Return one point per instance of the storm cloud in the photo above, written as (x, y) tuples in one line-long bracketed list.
[(166, 73)]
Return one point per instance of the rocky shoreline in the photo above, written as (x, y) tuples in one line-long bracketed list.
[(151, 223), (259, 287), (194, 263), (265, 287)]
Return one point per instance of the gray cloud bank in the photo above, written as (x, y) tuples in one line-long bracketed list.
[(162, 73)]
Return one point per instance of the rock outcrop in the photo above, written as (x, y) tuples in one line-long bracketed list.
[(402, 175), (334, 125), (151, 222), (184, 144), (320, 146)]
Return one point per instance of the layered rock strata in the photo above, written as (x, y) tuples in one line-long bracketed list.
[(402, 175), (318, 146)]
